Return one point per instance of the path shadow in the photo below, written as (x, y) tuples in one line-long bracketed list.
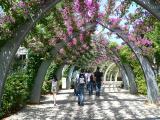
[(103, 108)]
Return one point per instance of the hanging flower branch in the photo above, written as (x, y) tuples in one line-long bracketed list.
[(134, 29), (15, 13)]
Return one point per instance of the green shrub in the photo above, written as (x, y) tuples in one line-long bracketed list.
[(46, 87), (66, 72), (15, 93), (139, 78), (127, 57), (34, 61), (19, 84), (158, 81), (60, 84)]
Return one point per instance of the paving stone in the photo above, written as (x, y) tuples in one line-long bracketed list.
[(113, 104)]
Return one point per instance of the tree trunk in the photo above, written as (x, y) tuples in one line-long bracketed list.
[(36, 91)]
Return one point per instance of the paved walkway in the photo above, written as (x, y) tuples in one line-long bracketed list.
[(113, 104)]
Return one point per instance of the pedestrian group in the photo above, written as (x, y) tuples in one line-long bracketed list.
[(84, 79), (92, 81)]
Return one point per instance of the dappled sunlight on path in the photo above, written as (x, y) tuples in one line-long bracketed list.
[(115, 104)]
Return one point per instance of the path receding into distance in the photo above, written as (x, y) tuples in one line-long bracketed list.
[(113, 104)]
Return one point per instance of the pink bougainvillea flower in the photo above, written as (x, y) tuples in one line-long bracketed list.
[(74, 41), (21, 4), (145, 42), (131, 37), (81, 37), (90, 13), (88, 2), (84, 46), (69, 44), (70, 30), (138, 22), (61, 51), (114, 20), (76, 5), (101, 15)]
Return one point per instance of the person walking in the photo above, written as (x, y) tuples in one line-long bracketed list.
[(98, 75), (91, 82), (76, 84), (81, 83), (54, 88)]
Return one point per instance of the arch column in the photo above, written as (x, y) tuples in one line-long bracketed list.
[(110, 77), (133, 86), (103, 69), (110, 80), (59, 73), (124, 77), (68, 81), (36, 91), (115, 78), (152, 87), (150, 6), (109, 73)]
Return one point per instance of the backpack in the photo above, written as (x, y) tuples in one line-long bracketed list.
[(81, 79)]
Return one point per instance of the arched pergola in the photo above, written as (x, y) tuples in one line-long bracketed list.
[(127, 74), (152, 87), (7, 52), (36, 91), (107, 70)]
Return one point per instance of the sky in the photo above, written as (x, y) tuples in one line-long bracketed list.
[(99, 28)]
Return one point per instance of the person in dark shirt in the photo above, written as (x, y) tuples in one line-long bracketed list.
[(98, 75)]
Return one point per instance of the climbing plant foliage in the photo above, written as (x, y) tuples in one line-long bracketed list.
[(46, 87), (34, 61)]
